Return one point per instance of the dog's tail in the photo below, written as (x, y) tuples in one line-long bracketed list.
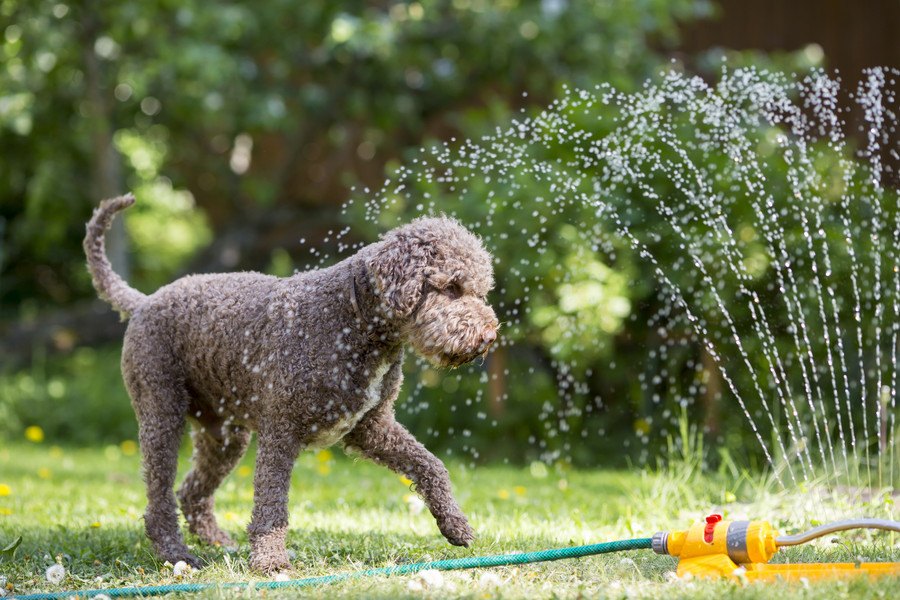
[(108, 284)]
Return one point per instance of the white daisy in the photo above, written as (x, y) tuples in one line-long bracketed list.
[(56, 574), (431, 579), (181, 569), (489, 579)]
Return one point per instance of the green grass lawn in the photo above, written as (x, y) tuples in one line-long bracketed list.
[(82, 508)]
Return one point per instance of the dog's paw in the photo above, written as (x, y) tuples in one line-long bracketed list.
[(457, 530), (267, 551), (270, 563), (186, 557)]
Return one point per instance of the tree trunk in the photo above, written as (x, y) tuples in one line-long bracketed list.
[(497, 381), (712, 396)]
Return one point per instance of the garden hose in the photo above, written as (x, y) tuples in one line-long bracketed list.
[(452, 564), (712, 548), (823, 530)]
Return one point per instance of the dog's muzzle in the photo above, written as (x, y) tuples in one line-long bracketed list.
[(488, 337)]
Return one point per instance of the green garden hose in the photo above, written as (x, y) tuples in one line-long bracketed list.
[(472, 562)]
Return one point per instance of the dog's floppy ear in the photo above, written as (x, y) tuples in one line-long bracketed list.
[(400, 266)]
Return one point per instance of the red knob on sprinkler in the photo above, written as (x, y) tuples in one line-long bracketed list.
[(711, 521)]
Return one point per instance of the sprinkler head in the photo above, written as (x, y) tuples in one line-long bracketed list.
[(716, 547), (719, 548)]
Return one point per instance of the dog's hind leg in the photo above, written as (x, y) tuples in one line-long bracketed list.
[(217, 449), (160, 404)]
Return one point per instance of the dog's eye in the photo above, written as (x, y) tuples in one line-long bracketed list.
[(453, 290)]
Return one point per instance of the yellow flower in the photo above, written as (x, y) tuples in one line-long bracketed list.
[(244, 471), (44, 473), (230, 516), (323, 456), (519, 490), (129, 447), (642, 426), (5, 490), (95, 524), (34, 434), (503, 494), (323, 468), (5, 511), (405, 481)]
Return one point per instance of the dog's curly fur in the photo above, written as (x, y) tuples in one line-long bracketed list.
[(305, 361)]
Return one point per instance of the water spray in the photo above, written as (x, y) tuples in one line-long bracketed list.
[(713, 548)]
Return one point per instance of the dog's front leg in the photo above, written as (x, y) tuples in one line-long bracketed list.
[(382, 439), (275, 458)]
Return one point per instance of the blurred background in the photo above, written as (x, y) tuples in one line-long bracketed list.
[(242, 127)]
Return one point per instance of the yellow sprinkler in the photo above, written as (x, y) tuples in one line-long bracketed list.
[(742, 549)]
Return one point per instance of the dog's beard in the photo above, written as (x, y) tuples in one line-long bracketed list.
[(454, 359)]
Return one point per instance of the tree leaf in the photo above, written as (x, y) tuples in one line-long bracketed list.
[(10, 549)]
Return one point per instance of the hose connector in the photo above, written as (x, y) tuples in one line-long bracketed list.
[(658, 542)]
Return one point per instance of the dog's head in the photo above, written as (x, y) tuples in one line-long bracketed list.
[(433, 276)]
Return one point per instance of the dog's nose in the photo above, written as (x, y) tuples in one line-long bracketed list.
[(489, 336)]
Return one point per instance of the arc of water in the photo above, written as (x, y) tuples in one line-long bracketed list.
[(760, 324), (773, 234), (828, 89), (607, 151), (825, 89), (612, 158), (644, 252), (813, 209), (789, 291), (797, 189), (768, 221), (774, 106), (678, 298), (869, 97), (715, 219)]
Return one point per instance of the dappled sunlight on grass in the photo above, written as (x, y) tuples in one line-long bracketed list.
[(86, 516)]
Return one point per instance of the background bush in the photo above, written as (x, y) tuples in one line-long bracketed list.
[(241, 127)]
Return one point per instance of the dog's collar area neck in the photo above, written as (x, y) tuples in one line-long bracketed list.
[(375, 327)]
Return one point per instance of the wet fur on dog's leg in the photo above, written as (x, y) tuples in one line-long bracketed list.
[(160, 404), (278, 449), (217, 449)]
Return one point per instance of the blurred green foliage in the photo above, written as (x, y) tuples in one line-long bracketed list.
[(321, 93), (223, 115), (78, 399)]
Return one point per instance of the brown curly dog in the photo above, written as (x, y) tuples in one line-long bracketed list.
[(305, 361)]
